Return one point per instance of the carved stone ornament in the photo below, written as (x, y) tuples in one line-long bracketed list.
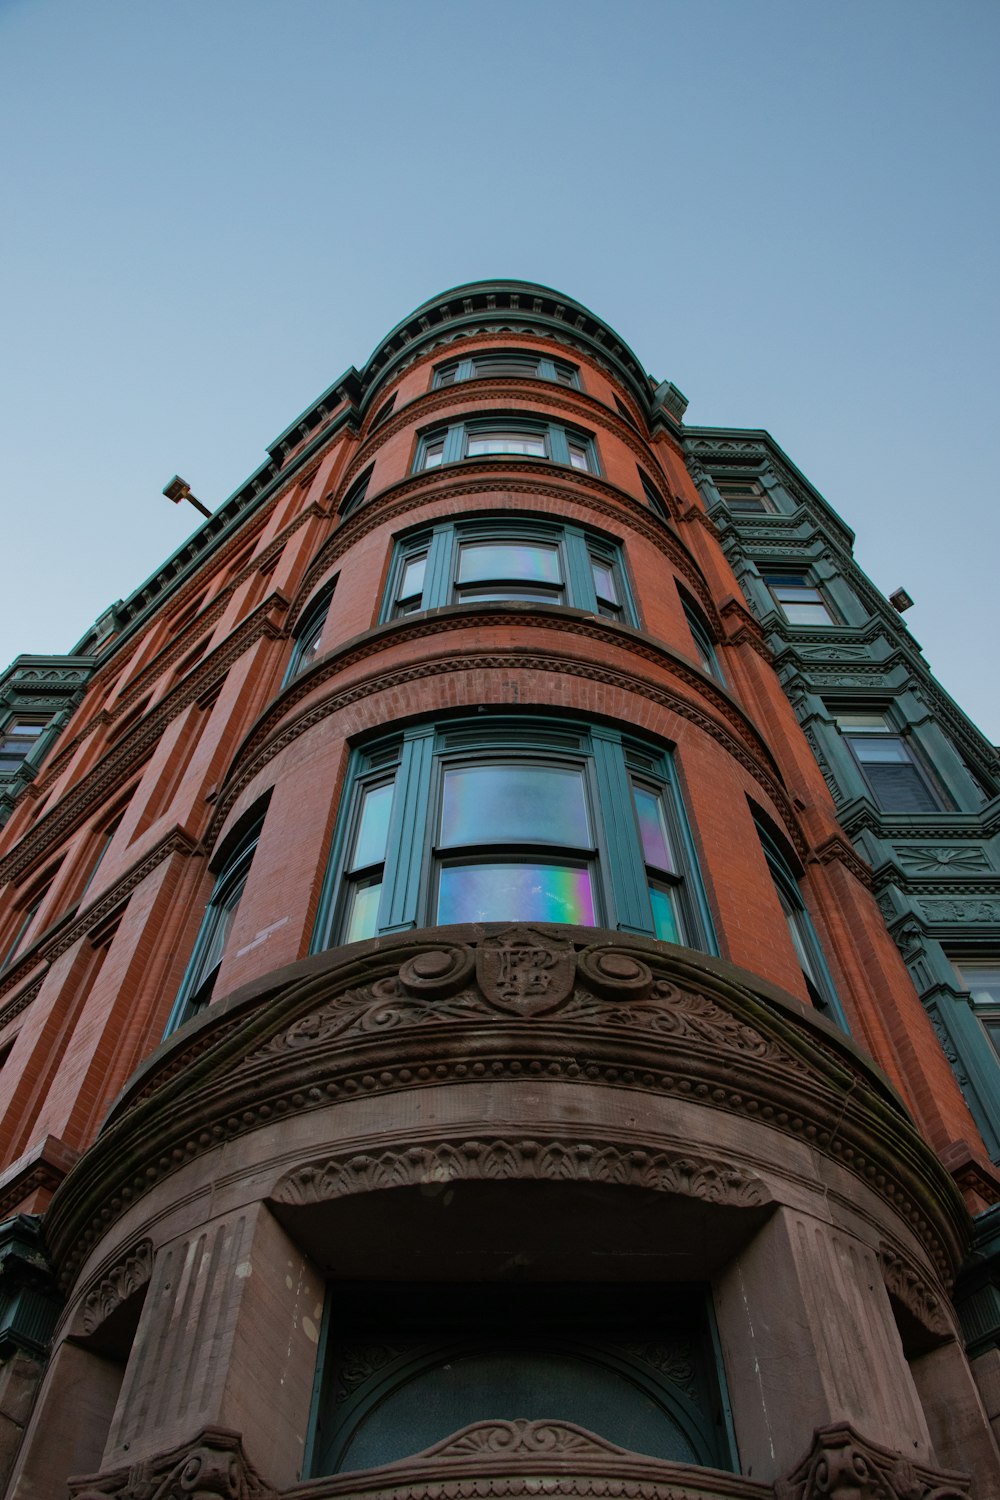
[(445, 1162), (119, 1284), (525, 972), (525, 1437), (211, 1467), (844, 1466), (910, 1288)]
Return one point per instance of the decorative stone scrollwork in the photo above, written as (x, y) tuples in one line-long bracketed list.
[(844, 1466), (212, 1467), (614, 974), (912, 1290), (436, 1165), (521, 1437), (112, 1290), (439, 971)]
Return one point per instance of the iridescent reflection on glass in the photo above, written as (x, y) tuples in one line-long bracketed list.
[(483, 562), (665, 923), (653, 829), (514, 804), (362, 918), (515, 892), (373, 830)]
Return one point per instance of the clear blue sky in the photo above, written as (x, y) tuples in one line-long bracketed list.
[(212, 207)]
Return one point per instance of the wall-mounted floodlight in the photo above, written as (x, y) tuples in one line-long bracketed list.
[(900, 600), (178, 489)]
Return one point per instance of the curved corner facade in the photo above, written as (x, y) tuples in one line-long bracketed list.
[(449, 1037)]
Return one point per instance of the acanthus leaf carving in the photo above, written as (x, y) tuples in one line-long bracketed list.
[(842, 1465), (910, 1288), (119, 1284), (213, 1466), (440, 1164)]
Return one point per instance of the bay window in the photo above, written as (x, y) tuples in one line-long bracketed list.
[(512, 436), (513, 820), (501, 560)]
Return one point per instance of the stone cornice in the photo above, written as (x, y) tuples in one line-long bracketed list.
[(56, 940), (732, 730), (119, 761), (439, 1007), (493, 479)]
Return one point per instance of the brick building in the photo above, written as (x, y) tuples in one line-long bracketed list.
[(496, 988)]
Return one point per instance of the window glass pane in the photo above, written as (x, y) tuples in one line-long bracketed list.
[(433, 453), (515, 892), (874, 723), (565, 374), (527, 561), (513, 804), (881, 750), (666, 925), (506, 442), (501, 364), (982, 981), (362, 917), (653, 829), (373, 829), (412, 581), (579, 456), (604, 582), (806, 614)]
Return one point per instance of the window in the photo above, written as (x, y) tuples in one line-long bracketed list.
[(507, 364), (407, 1366), (507, 437), (495, 560), (801, 603), (357, 492), (13, 948), (384, 412), (309, 634), (652, 494), (702, 638), (18, 740), (513, 820), (981, 977), (210, 945), (898, 781), (745, 496), (818, 982)]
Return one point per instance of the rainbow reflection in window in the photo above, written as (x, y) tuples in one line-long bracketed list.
[(515, 892), (485, 562), (513, 804), (653, 829)]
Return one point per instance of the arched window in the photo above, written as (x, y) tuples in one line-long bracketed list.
[(210, 945), (805, 941), (309, 634)]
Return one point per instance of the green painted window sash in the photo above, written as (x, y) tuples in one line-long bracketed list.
[(608, 757), (578, 551)]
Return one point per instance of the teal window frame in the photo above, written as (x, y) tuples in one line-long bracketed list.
[(807, 595), (583, 556), (449, 445), (805, 940), (754, 499), (209, 950), (557, 371), (357, 492), (308, 633), (880, 731), (416, 1328), (613, 762), (653, 497), (703, 639), (20, 737)]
